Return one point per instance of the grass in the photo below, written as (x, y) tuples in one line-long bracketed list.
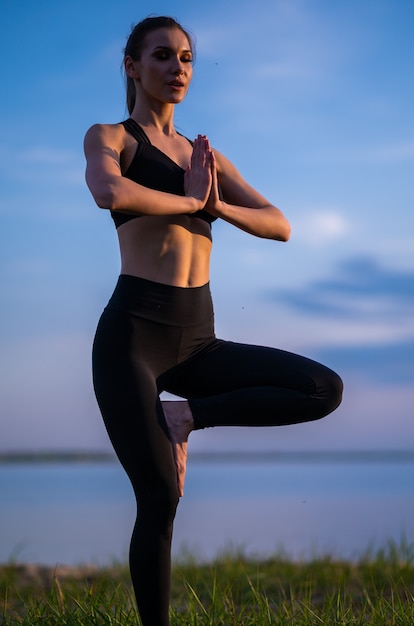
[(232, 591)]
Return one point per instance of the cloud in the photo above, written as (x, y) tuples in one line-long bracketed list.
[(363, 288), (364, 314), (365, 275), (322, 227)]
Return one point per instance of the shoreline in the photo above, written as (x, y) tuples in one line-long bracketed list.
[(266, 456), (28, 574)]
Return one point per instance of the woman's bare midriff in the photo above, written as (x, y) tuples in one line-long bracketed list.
[(173, 250)]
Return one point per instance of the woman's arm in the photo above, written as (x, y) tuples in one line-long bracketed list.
[(242, 205), (103, 147)]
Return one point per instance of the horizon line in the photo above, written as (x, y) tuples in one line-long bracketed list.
[(229, 456)]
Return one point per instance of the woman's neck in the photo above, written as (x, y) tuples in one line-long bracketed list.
[(160, 117)]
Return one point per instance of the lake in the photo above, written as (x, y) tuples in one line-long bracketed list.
[(303, 505)]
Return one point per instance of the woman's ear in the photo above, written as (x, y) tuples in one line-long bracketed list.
[(130, 67)]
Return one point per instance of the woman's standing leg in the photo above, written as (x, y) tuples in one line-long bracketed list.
[(126, 390)]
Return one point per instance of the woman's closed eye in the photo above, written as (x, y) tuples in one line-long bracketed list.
[(165, 55)]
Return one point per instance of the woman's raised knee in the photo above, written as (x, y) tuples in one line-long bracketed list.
[(332, 392)]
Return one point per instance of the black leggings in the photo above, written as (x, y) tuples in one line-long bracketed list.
[(153, 337)]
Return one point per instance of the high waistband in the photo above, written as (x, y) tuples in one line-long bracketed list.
[(166, 304)]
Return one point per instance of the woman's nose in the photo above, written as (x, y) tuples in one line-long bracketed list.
[(178, 67)]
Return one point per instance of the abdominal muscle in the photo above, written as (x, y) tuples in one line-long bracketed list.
[(169, 249)]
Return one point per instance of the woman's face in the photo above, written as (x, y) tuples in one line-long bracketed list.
[(165, 68)]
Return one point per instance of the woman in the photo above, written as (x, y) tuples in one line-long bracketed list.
[(157, 332)]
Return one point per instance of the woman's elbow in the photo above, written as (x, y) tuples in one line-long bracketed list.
[(101, 202), (280, 229), (288, 232), (105, 202), (105, 197), (285, 235), (282, 232)]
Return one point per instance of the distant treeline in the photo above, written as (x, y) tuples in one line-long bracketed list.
[(308, 456), (55, 457)]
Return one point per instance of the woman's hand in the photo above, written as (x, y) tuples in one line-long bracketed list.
[(198, 177), (214, 202)]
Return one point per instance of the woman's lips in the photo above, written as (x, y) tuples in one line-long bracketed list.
[(176, 84)]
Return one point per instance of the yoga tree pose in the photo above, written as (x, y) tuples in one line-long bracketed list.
[(157, 331)]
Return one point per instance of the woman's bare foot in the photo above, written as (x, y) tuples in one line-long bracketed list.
[(180, 424)]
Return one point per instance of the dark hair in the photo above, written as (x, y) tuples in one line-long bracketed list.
[(135, 45)]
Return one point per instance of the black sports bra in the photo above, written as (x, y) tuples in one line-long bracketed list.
[(154, 169)]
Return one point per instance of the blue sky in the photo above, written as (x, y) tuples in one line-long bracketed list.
[(312, 101)]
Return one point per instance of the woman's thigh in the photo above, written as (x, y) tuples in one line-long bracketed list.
[(227, 365), (239, 384), (125, 367)]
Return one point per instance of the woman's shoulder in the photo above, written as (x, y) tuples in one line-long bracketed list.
[(113, 135), (103, 130)]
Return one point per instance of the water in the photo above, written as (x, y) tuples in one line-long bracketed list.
[(73, 513)]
